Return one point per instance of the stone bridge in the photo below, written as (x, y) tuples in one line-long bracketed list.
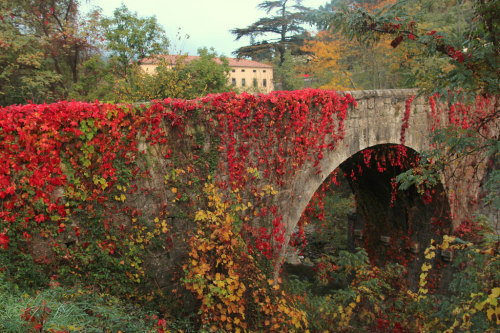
[(377, 120), (223, 130)]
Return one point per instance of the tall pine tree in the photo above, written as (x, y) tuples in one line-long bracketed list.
[(285, 23)]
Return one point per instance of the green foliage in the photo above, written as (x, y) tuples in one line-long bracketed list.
[(44, 44), (207, 76), (472, 299), (96, 81), (24, 72), (46, 47), (334, 228), (130, 38), (186, 80), (139, 86), (286, 75), (377, 299), (369, 295)]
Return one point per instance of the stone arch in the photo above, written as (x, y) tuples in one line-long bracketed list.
[(393, 232), (376, 120)]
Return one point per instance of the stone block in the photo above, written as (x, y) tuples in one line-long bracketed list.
[(370, 103), (380, 105)]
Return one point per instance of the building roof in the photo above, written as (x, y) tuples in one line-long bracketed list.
[(233, 62)]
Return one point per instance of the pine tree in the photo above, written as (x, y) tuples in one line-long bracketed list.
[(285, 23)]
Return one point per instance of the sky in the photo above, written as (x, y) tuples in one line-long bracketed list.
[(206, 22)]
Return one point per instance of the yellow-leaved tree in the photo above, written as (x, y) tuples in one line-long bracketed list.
[(325, 63), (335, 62)]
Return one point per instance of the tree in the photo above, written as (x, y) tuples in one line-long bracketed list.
[(23, 73), (208, 74), (288, 76), (325, 62), (44, 43), (339, 63), (470, 57), (286, 23), (130, 38), (96, 81), (57, 24), (176, 79)]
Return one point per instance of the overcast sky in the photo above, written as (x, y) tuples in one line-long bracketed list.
[(207, 22)]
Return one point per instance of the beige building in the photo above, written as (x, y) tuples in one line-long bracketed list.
[(246, 75)]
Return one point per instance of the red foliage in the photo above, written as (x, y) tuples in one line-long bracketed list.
[(406, 119), (469, 230), (275, 133), (4, 241)]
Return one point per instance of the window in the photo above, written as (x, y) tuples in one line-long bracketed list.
[(233, 81), (234, 70), (255, 82), (264, 70), (242, 70), (243, 82), (264, 83), (255, 71)]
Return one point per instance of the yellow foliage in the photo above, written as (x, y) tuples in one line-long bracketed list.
[(494, 293), (228, 282), (426, 267), (430, 255), (326, 50)]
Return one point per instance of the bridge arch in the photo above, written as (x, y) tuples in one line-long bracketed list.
[(392, 226), (376, 120)]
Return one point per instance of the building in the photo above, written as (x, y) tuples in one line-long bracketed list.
[(246, 75)]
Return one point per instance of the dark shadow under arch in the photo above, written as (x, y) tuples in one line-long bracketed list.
[(392, 225)]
